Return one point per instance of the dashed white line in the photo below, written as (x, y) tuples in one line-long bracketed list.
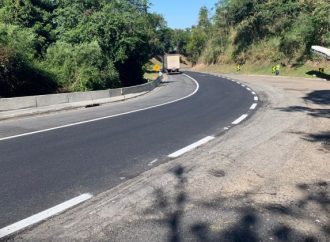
[(152, 162), (10, 229), (191, 147), (253, 106), (105, 117), (243, 85), (253, 93), (249, 89), (240, 119), (256, 98)]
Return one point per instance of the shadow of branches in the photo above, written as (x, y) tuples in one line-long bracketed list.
[(242, 217), (173, 211), (315, 112), (319, 74), (320, 97), (323, 138)]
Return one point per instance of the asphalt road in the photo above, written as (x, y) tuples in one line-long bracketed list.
[(39, 171)]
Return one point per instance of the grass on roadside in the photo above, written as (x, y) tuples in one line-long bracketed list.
[(309, 69)]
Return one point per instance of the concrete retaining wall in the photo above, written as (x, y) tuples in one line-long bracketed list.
[(10, 104)]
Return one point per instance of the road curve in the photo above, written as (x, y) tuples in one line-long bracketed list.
[(41, 170)]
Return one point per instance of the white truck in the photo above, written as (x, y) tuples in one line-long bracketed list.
[(172, 63)]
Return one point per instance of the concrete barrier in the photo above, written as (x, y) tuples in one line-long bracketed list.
[(7, 104), (52, 99), (136, 89), (79, 97), (100, 94), (75, 98), (115, 92)]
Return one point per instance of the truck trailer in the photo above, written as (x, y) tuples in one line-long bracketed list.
[(172, 63)]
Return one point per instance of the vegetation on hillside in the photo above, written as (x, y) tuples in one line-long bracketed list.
[(48, 46), (258, 31)]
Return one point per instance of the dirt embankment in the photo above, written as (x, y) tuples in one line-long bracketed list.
[(265, 180)]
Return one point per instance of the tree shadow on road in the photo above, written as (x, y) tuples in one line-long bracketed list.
[(319, 97), (242, 217), (323, 138), (319, 74), (315, 112)]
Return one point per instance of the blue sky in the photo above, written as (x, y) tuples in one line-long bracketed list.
[(180, 13)]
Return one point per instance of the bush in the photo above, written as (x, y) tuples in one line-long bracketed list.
[(81, 67), (19, 78), (22, 40)]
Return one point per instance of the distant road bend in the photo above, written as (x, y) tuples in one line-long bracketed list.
[(43, 169)]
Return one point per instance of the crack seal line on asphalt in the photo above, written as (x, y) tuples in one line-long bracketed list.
[(34, 219), (106, 117)]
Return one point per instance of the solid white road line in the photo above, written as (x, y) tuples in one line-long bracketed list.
[(240, 119), (106, 117), (43, 215), (256, 98), (253, 106), (191, 147)]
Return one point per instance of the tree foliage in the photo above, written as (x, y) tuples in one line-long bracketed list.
[(288, 27), (82, 44)]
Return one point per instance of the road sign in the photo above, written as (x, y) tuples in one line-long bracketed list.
[(156, 68)]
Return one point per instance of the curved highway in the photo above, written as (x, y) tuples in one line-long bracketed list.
[(42, 169)]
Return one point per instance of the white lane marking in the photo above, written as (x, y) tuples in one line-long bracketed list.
[(256, 98), (253, 93), (242, 85), (249, 89), (10, 229), (106, 117), (152, 162), (253, 106), (191, 147), (240, 119)]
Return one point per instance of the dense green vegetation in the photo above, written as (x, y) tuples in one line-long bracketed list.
[(48, 46), (259, 31)]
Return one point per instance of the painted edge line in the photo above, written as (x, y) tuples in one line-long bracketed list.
[(152, 162), (253, 106), (256, 98), (106, 117), (240, 119), (191, 147), (10, 229)]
